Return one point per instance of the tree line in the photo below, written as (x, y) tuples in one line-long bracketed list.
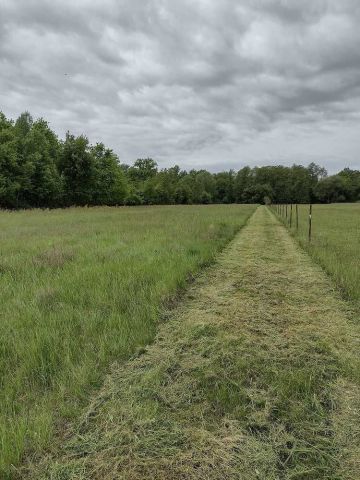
[(39, 170)]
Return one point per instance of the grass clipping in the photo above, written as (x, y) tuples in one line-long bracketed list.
[(254, 377)]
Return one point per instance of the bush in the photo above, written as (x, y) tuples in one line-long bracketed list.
[(205, 198), (133, 199)]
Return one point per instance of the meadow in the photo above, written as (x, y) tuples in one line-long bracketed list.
[(80, 288), (335, 242), (254, 376)]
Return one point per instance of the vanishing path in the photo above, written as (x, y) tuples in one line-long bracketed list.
[(254, 376)]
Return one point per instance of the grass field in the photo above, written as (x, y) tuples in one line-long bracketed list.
[(335, 243), (79, 288), (254, 376)]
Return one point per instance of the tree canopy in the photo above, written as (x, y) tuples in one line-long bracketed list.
[(37, 169)]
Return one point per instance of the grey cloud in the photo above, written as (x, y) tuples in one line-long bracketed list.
[(201, 83)]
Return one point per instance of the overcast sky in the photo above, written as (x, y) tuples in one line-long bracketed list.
[(211, 84)]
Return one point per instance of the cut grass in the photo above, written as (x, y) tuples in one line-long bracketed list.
[(80, 288), (254, 376)]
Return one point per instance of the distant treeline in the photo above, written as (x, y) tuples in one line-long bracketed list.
[(39, 170)]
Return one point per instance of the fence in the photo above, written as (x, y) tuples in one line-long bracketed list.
[(330, 233), (289, 215)]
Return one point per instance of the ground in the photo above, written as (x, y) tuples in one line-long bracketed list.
[(254, 376)]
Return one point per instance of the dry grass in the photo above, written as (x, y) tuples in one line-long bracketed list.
[(254, 376), (53, 258)]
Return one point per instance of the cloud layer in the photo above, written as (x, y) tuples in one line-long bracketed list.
[(201, 83)]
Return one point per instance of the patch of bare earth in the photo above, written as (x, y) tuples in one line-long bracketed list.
[(254, 376)]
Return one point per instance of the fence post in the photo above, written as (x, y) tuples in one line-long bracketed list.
[(286, 213), (310, 222), (290, 215), (297, 217)]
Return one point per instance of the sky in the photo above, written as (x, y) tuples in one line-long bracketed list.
[(214, 84)]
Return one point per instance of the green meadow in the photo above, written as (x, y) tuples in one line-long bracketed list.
[(80, 288), (254, 376)]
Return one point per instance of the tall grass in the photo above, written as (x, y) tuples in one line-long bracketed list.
[(335, 242), (79, 288)]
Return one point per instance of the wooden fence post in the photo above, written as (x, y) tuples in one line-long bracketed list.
[(297, 217), (310, 222), (290, 215)]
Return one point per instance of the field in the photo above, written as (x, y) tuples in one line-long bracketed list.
[(121, 360), (80, 288), (335, 242), (255, 375)]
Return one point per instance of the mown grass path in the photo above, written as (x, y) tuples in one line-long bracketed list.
[(254, 376)]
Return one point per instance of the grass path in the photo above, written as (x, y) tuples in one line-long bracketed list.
[(254, 376)]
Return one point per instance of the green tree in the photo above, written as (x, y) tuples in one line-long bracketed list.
[(243, 180), (316, 172), (352, 180), (78, 170), (110, 184), (143, 169), (42, 186), (301, 184), (202, 182), (10, 171), (258, 193), (133, 199), (332, 189), (182, 193), (161, 188), (224, 187), (23, 126)]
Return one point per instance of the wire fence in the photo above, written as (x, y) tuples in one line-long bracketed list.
[(330, 233), (289, 214)]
